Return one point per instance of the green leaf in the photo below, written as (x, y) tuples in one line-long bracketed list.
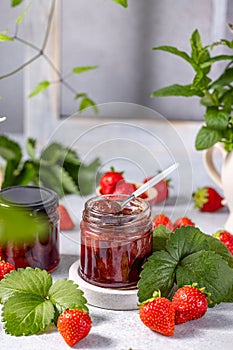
[(123, 3), (65, 294), (26, 314), (56, 178), (218, 247), (86, 103), (41, 87), (4, 37), (22, 15), (24, 281), (79, 70), (185, 241), (196, 46), (158, 274), (10, 150), (16, 2), (216, 119), (31, 148), (207, 137), (173, 50), (87, 177), (177, 90), (209, 270), (22, 229), (216, 59), (160, 237), (224, 79)]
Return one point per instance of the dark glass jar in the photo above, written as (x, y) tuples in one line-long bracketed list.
[(38, 203), (115, 246)]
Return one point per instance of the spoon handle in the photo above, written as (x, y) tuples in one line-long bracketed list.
[(156, 179)]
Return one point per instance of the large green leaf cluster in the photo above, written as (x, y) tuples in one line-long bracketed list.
[(57, 167), (215, 94), (185, 257)]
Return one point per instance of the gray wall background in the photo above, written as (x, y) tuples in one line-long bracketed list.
[(119, 41)]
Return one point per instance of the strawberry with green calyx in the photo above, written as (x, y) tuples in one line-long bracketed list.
[(207, 199), (226, 238), (109, 180), (183, 221), (162, 219), (158, 314), (5, 268), (74, 325), (190, 303)]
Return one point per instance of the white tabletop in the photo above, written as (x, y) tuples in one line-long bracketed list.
[(123, 330)]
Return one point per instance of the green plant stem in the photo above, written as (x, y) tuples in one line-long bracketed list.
[(21, 67), (41, 53)]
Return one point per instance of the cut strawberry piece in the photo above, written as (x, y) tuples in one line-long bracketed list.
[(123, 187), (66, 223), (162, 188)]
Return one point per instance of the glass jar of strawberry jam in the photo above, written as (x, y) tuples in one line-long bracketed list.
[(114, 244), (39, 204)]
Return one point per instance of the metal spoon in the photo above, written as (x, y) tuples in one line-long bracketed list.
[(157, 178)]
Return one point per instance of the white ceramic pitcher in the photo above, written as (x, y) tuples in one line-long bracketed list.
[(224, 179)]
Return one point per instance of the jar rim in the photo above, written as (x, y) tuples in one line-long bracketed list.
[(116, 219), (33, 197)]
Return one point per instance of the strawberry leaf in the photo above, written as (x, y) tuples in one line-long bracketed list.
[(209, 270), (65, 294), (186, 240), (25, 281), (160, 237), (158, 274), (26, 314)]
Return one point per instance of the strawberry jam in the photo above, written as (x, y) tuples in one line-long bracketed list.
[(43, 250), (114, 244)]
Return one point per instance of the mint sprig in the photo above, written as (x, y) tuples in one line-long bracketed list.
[(188, 256), (31, 301), (214, 95)]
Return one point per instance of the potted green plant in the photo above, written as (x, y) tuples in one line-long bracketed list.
[(216, 95)]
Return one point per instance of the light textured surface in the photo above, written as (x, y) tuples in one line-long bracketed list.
[(123, 330)]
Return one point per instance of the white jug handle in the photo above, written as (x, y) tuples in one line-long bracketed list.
[(209, 163)]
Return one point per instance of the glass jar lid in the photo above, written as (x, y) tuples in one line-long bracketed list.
[(30, 197)]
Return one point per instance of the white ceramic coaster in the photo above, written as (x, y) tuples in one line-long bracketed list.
[(106, 298)]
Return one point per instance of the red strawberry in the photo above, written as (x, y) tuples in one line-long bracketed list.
[(158, 314), (226, 238), (162, 219), (123, 187), (5, 267), (162, 188), (207, 199), (74, 325), (109, 180), (184, 221), (66, 222), (190, 303)]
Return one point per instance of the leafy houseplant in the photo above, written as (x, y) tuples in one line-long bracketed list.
[(215, 95)]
